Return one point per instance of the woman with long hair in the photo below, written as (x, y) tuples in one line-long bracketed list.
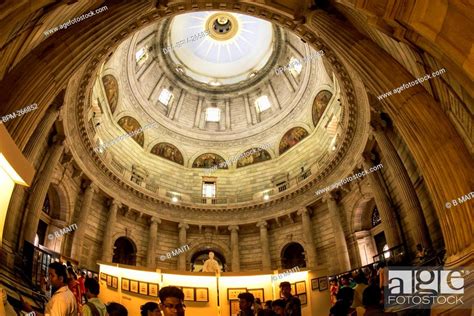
[(75, 288)]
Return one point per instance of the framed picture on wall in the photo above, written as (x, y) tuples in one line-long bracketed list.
[(301, 287), (233, 294), (258, 293), (202, 294), (293, 288), (188, 294), (143, 286), (314, 284), (109, 280), (115, 282), (133, 286), (103, 276), (303, 299), (234, 308), (323, 283), (153, 289), (125, 284)]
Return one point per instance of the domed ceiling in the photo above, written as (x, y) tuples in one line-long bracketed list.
[(216, 98)]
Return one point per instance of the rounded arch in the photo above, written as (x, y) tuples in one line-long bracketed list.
[(169, 152), (200, 256), (111, 89), (209, 160), (361, 213), (124, 251), (320, 104), (252, 156), (131, 125), (292, 137), (66, 204), (292, 255), (217, 245)]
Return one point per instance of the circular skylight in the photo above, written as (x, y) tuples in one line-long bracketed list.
[(220, 47)]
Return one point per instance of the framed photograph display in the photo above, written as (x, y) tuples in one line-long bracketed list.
[(133, 286), (303, 299), (143, 286), (125, 284), (202, 294), (115, 282), (234, 308), (109, 280), (301, 287), (323, 283), (293, 288), (258, 293), (314, 284), (153, 289), (233, 294), (188, 294), (103, 276)]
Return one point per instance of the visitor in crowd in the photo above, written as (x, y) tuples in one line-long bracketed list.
[(81, 281), (361, 285), (333, 289), (278, 307), (44, 284), (150, 309), (345, 297), (292, 303), (246, 301), (75, 287), (93, 307), (257, 307), (63, 302), (171, 301), (116, 309), (371, 299), (267, 309), (383, 276), (344, 281)]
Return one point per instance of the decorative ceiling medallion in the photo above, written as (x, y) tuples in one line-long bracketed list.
[(222, 26)]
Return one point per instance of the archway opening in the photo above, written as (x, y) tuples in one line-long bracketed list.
[(292, 255), (125, 251), (198, 259)]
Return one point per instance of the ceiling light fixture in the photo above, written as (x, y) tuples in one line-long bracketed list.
[(174, 199), (266, 197)]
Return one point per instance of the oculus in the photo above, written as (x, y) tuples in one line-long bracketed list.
[(129, 124), (210, 160), (222, 26), (111, 91), (291, 138), (169, 152)]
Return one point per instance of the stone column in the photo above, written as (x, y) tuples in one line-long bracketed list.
[(266, 259), (82, 221), (365, 242), (403, 185), (107, 251), (310, 248), (234, 246), (182, 241), (39, 191), (387, 215), (150, 258), (342, 252)]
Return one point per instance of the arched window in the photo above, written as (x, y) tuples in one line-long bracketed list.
[(376, 217), (198, 259), (125, 251), (46, 205), (292, 255)]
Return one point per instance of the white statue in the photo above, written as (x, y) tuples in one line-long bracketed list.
[(211, 265)]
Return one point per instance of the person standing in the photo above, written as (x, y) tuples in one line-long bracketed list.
[(75, 288), (94, 306), (246, 301), (81, 281), (333, 289), (292, 303)]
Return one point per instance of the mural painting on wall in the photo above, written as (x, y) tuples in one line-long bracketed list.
[(252, 156), (209, 160), (319, 105), (169, 152), (111, 91), (129, 124), (291, 138)]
